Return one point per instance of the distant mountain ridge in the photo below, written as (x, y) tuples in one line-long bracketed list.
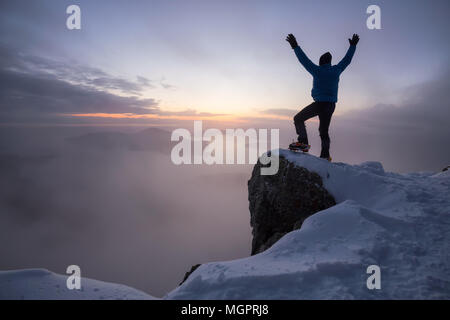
[(151, 139)]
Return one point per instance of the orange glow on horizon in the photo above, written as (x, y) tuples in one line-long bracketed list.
[(217, 117), (148, 116)]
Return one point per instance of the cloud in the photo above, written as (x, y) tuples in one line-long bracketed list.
[(145, 82), (166, 85), (425, 106), (25, 96), (192, 113), (281, 112), (412, 135), (36, 89), (114, 204), (72, 72)]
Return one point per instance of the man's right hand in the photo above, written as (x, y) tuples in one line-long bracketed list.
[(292, 41), (354, 40)]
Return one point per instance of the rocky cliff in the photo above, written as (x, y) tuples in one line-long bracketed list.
[(280, 203)]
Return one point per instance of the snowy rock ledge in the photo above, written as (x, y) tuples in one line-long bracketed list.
[(280, 203), (399, 222)]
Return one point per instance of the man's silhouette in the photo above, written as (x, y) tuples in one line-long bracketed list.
[(324, 93)]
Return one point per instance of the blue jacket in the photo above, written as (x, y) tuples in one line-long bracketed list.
[(325, 77)]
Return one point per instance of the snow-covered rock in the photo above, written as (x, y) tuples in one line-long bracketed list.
[(41, 284), (399, 222)]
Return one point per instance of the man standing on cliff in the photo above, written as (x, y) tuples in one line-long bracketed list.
[(324, 93)]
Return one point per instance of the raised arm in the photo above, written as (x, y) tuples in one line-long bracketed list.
[(301, 56), (350, 52)]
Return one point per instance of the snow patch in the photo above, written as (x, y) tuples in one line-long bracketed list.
[(41, 284)]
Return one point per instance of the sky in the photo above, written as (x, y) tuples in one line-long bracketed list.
[(222, 57)]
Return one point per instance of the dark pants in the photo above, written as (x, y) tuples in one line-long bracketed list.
[(322, 109)]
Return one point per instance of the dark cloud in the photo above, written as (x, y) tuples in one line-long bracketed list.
[(70, 71), (36, 89), (33, 88), (424, 106), (413, 135), (116, 84), (33, 97)]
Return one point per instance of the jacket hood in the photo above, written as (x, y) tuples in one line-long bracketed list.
[(325, 59)]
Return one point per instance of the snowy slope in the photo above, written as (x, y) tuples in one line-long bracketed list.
[(37, 284), (400, 222)]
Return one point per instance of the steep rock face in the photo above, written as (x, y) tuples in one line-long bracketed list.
[(187, 274), (280, 203)]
